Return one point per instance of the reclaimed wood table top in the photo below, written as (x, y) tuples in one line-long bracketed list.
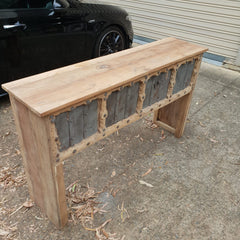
[(52, 91)]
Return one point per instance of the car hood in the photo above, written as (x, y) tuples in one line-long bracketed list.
[(94, 6)]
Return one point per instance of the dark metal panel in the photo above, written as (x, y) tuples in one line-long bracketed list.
[(148, 89), (131, 99), (90, 119), (190, 72), (156, 88), (180, 78), (76, 125), (164, 82), (111, 105), (116, 106), (159, 87), (62, 126), (120, 105), (183, 77)]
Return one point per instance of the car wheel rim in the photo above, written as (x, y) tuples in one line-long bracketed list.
[(111, 42)]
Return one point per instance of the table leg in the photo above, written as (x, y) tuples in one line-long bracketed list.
[(44, 176), (173, 116)]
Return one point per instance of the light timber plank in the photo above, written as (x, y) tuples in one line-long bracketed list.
[(45, 177), (46, 93), (19, 118), (165, 126)]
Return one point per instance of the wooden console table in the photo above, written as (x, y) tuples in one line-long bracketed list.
[(61, 112)]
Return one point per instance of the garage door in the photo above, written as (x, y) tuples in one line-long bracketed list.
[(215, 24)]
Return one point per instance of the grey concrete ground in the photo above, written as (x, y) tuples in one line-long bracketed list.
[(194, 190)]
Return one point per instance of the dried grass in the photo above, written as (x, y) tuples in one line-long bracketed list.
[(7, 232), (7, 178), (83, 207)]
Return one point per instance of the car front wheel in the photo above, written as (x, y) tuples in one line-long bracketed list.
[(111, 40)]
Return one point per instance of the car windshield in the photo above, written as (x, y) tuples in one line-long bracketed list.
[(12, 4)]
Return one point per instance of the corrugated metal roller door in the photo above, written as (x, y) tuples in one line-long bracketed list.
[(215, 24)]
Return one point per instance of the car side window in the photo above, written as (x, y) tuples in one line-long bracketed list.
[(40, 4), (11, 4)]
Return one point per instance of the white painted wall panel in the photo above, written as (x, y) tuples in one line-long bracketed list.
[(215, 24)]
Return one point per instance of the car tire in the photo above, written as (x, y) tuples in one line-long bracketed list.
[(111, 40)]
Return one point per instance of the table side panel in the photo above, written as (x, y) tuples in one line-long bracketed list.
[(39, 163)]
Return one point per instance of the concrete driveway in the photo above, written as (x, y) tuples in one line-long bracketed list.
[(151, 184)]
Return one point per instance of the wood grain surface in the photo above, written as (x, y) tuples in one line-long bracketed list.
[(49, 92)]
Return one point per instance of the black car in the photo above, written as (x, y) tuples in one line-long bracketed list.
[(40, 35)]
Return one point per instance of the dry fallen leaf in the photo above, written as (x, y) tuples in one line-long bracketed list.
[(201, 124), (124, 213), (153, 126), (147, 172), (162, 135), (159, 154), (7, 134), (3, 232), (84, 207), (113, 173), (6, 154), (114, 193), (213, 140), (17, 151), (145, 183), (28, 204)]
